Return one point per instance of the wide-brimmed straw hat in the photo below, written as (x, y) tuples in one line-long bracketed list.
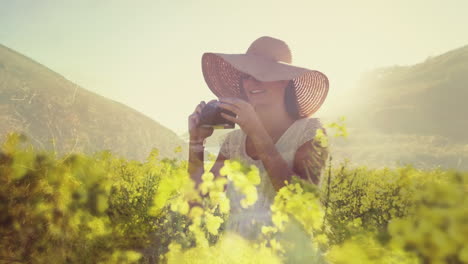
[(267, 59)]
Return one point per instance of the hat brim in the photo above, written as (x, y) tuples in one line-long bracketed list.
[(262, 69), (222, 74)]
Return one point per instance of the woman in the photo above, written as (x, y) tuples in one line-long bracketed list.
[(273, 102)]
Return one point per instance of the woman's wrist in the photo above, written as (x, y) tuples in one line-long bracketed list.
[(197, 145), (197, 148), (197, 141)]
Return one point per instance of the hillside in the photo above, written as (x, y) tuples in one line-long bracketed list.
[(428, 98), (55, 113), (408, 114)]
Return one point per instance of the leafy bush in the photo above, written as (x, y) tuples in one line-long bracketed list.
[(101, 209)]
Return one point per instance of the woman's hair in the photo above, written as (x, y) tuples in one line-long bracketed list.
[(290, 99)]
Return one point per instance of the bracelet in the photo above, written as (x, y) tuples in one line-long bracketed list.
[(197, 147), (196, 142)]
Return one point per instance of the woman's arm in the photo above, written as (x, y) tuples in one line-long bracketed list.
[(196, 169), (196, 162), (309, 159), (275, 165)]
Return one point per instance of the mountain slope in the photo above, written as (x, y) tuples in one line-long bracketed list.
[(55, 113), (428, 98)]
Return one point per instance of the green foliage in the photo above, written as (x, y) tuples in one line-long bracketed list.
[(102, 209), (437, 228)]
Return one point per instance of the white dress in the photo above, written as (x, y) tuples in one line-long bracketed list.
[(248, 222)]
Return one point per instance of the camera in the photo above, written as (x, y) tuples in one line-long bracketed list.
[(210, 116)]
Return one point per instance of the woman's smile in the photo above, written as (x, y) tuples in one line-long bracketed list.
[(257, 91)]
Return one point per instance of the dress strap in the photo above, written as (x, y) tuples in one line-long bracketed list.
[(308, 130)]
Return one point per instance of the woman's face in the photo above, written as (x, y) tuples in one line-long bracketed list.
[(264, 93)]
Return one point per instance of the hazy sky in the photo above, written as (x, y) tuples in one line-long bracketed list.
[(147, 54)]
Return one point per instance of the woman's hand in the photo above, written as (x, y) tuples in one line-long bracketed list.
[(198, 133), (247, 118)]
